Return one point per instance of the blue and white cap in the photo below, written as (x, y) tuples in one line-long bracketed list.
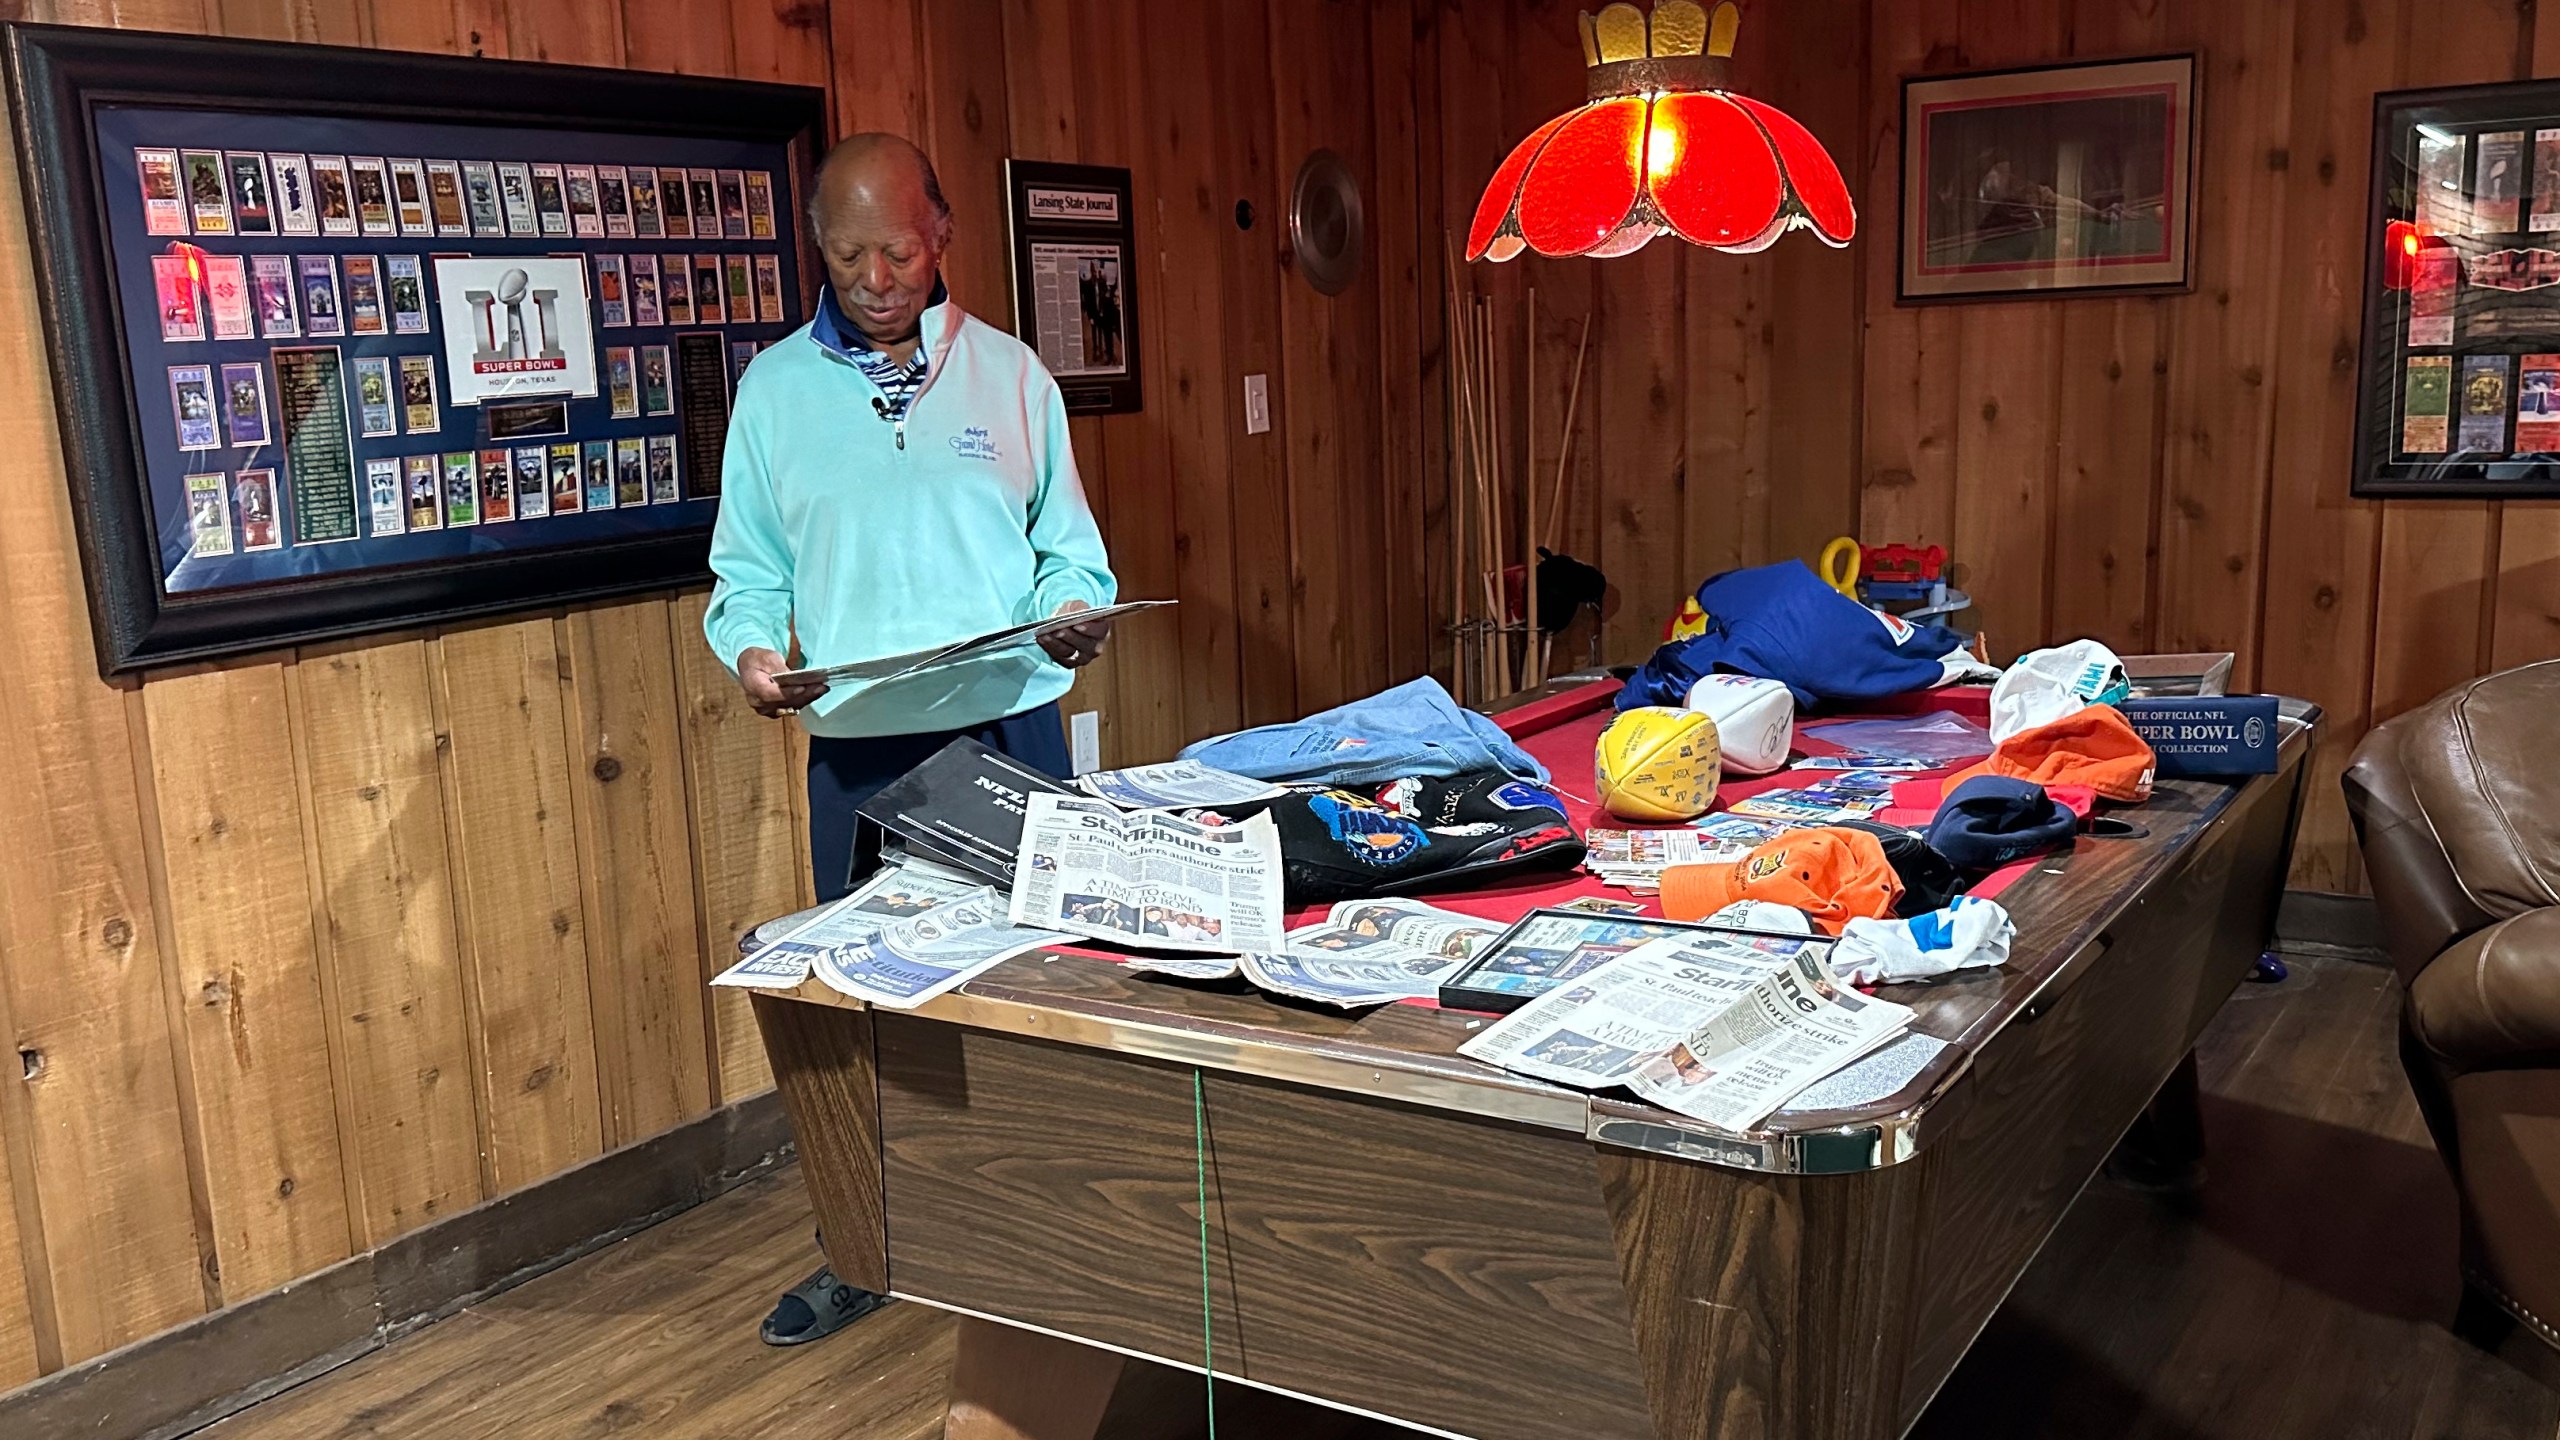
[(2046, 685)]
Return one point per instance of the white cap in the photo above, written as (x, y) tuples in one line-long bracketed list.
[(2046, 685), (1755, 720), (1763, 915)]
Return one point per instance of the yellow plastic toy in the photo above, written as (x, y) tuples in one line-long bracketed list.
[(1839, 566)]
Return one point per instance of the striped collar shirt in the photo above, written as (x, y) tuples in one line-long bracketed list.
[(898, 383)]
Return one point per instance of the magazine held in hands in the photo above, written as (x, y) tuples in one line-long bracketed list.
[(935, 657)]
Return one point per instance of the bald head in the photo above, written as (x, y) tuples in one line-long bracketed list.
[(876, 169), (882, 226)]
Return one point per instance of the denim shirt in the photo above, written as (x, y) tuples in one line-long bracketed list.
[(1413, 730)]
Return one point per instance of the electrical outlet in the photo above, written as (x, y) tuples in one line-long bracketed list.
[(1257, 404), (1084, 741)]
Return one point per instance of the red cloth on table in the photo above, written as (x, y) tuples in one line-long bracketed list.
[(1562, 731)]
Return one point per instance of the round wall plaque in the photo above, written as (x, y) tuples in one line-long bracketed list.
[(1326, 226)]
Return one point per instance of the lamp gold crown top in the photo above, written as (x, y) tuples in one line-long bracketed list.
[(1620, 32), (1681, 46)]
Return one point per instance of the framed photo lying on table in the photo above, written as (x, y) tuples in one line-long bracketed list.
[(1547, 947), (2071, 178), (296, 298), (2459, 392)]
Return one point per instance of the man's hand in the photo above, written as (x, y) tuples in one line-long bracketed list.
[(1076, 647), (756, 668)]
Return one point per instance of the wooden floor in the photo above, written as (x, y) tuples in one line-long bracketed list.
[(2304, 1296)]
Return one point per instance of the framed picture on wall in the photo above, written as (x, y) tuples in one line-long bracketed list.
[(2459, 390), (297, 297), (2070, 179), (1075, 294)]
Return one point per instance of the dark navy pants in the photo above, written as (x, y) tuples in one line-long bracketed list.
[(845, 773)]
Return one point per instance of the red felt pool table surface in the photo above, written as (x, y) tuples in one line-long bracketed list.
[(1561, 731)]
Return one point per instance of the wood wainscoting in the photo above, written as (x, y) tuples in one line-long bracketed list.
[(301, 953)]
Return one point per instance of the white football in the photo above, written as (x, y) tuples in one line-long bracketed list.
[(1755, 718)]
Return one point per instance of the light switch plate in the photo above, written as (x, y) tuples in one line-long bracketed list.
[(1084, 741), (1257, 404)]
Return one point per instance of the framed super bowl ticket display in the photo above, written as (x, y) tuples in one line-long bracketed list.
[(2459, 393), (348, 340)]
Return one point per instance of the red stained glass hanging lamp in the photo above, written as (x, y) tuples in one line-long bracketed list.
[(1662, 145)]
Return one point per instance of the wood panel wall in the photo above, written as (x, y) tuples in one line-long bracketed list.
[(2161, 472), (300, 952), (2171, 473), (310, 949)]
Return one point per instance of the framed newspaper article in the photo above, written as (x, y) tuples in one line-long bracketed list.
[(1075, 274), (345, 340), (2459, 393)]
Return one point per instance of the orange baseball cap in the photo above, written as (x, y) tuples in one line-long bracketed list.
[(2093, 746), (1831, 874)]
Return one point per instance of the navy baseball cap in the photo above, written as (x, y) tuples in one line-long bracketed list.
[(1991, 820), (1929, 880)]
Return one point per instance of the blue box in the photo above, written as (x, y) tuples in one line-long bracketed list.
[(2208, 734)]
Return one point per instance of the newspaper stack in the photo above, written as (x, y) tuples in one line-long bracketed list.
[(1371, 952), (910, 962), (1148, 879), (1176, 784), (1721, 1028), (907, 935), (1635, 859)]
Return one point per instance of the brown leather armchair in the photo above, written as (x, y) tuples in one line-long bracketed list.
[(2457, 807)]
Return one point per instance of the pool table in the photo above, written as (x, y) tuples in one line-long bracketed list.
[(1107, 1173)]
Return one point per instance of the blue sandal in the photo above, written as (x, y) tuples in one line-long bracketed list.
[(817, 1308)]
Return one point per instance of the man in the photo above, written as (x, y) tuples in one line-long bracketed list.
[(898, 475), (1108, 293)]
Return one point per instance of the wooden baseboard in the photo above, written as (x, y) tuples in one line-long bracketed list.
[(2315, 922), (188, 1377)]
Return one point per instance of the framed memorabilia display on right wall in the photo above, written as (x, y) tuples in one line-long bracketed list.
[(2459, 391)]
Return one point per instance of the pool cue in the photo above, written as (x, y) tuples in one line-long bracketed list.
[(1530, 660)]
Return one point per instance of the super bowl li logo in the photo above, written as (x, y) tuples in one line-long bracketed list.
[(500, 342)]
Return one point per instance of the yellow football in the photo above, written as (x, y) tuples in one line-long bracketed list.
[(1658, 765)]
